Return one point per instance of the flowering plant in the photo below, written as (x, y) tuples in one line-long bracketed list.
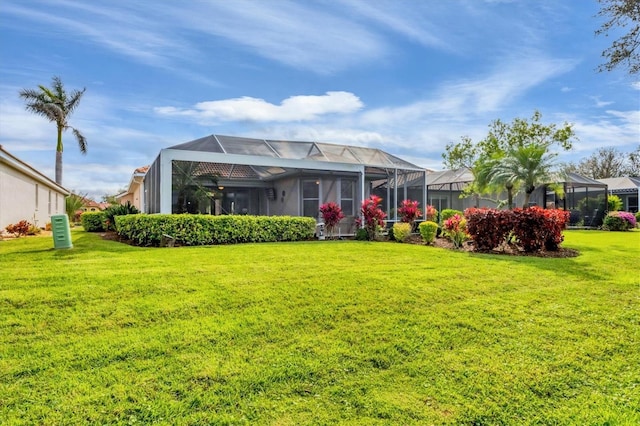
[(371, 216), (456, 229), (331, 214), (619, 221)]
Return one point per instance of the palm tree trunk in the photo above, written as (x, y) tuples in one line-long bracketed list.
[(59, 157), (59, 167)]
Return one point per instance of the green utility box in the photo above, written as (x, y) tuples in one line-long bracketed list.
[(61, 231)]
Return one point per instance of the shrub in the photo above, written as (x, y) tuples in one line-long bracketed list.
[(638, 218), (409, 211), (47, 227), (331, 215), (428, 231), (117, 210), (555, 222), (455, 228), (432, 213), (372, 217), (19, 229), (401, 231), (448, 213), (92, 221), (194, 229), (536, 228), (614, 203), (619, 221), (488, 228), (33, 230), (361, 234)]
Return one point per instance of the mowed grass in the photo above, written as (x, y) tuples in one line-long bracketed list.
[(333, 332)]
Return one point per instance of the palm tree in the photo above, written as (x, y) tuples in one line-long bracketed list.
[(527, 166), (56, 106)]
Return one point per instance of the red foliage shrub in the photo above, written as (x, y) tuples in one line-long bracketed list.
[(19, 229), (372, 217), (534, 228), (432, 213), (331, 214), (409, 211), (488, 228)]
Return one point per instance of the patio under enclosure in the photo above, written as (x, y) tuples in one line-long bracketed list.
[(233, 175)]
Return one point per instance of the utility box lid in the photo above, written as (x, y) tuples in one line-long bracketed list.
[(61, 231)]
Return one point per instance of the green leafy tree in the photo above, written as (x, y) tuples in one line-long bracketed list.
[(625, 51), (56, 105), (502, 139)]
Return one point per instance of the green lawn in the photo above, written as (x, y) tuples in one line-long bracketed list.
[(333, 332)]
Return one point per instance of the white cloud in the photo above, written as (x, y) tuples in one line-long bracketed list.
[(599, 103), (294, 108), (566, 89), (636, 85)]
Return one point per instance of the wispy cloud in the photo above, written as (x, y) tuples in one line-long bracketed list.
[(599, 103), (294, 108)]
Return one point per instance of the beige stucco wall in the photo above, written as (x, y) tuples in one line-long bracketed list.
[(18, 199)]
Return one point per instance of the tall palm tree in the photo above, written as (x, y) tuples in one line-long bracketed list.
[(56, 105), (527, 166)]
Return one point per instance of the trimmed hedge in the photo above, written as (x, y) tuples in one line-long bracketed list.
[(195, 230), (534, 228), (93, 221)]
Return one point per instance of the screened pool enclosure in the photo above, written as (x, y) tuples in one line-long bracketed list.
[(234, 175)]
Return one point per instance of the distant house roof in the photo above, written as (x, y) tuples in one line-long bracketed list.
[(622, 185), (16, 163)]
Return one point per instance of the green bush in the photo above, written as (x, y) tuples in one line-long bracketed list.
[(428, 231), (614, 203), (638, 218), (92, 221), (449, 213), (362, 234), (117, 210), (401, 231), (195, 230)]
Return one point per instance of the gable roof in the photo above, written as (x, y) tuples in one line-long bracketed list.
[(622, 184), (24, 168)]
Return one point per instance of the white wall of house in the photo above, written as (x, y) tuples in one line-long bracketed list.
[(26, 194)]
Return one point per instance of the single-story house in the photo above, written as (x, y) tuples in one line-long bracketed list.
[(27, 194), (220, 174), (627, 189), (134, 194)]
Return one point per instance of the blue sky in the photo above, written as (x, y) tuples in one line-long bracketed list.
[(404, 76)]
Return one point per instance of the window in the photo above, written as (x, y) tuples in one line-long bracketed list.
[(310, 198), (36, 196), (346, 196), (49, 204)]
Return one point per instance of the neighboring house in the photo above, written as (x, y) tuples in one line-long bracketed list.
[(89, 205), (27, 194), (627, 189), (135, 190), (233, 175), (585, 198)]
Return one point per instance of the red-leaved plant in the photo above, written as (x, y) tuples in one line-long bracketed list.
[(331, 215), (409, 212), (371, 216)]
